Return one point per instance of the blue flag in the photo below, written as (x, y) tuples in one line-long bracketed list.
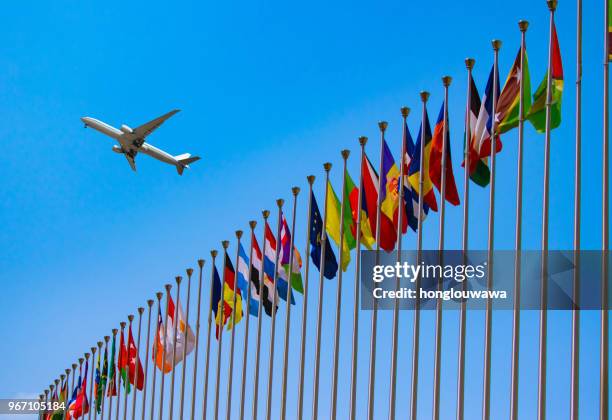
[(316, 233)]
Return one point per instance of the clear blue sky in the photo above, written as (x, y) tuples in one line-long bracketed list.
[(269, 91)]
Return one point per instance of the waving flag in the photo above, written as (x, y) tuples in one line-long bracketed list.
[(481, 135), (270, 266), (369, 201), (112, 377), (316, 236), (229, 289), (389, 207), (479, 169), (78, 405), (351, 196), (256, 269), (415, 166), (243, 282), (435, 164), (283, 258), (122, 363), (133, 362), (333, 222), (219, 307), (507, 109), (411, 195), (101, 379)]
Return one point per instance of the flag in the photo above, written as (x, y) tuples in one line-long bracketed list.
[(537, 115), (219, 307), (435, 161), (389, 206), (507, 107), (133, 362), (283, 257), (479, 169), (316, 236), (429, 196), (244, 283), (333, 225), (351, 196), (59, 413), (411, 196), (270, 266), (369, 200), (229, 290), (101, 379), (48, 414), (176, 329), (122, 363), (112, 377), (78, 405), (256, 270)]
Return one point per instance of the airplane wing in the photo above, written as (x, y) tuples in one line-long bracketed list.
[(147, 128), (130, 158)]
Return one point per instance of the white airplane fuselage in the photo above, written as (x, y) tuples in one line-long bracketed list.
[(131, 141)]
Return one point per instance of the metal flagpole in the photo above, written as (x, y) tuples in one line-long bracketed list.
[(225, 244), (265, 214), (58, 390), (89, 393), (106, 340), (552, 5), (213, 254), (136, 362), (118, 376), (65, 382), (417, 303), (159, 296), (189, 272), (86, 355), (516, 315), (245, 350), (300, 403), (197, 341), (127, 376), (355, 344), (279, 203), (74, 366), (575, 379), (372, 369), (163, 359), (112, 363), (93, 398), (175, 334), (603, 374), (295, 191), (394, 343), (43, 398), (446, 81), (146, 368), (315, 398), (486, 397), (345, 154), (230, 375), (469, 64)]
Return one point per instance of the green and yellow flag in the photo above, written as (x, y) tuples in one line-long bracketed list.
[(332, 225), (509, 100)]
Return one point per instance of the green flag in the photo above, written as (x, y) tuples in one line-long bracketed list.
[(509, 100)]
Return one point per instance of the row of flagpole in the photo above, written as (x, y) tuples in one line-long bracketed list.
[(70, 374)]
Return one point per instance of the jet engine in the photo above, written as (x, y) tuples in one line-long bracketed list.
[(117, 149), (126, 129)]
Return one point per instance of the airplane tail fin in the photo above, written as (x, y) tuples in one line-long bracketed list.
[(183, 162)]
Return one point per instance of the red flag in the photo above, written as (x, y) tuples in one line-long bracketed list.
[(435, 161), (134, 360), (79, 406)]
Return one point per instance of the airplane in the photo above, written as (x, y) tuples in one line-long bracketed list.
[(131, 141)]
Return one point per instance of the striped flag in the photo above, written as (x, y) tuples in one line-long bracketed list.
[(507, 109), (414, 174), (243, 282), (435, 164), (481, 135), (479, 169), (256, 269), (411, 195)]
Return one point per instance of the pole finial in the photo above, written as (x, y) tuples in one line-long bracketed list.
[(552, 5), (327, 166), (130, 317), (280, 202), (189, 272), (107, 338), (140, 310), (345, 154), (523, 25), (93, 350), (100, 344), (382, 125), (86, 356), (252, 224), (310, 179), (405, 111), (122, 325), (225, 244), (81, 360), (62, 376), (214, 253), (238, 234), (150, 302), (159, 295), (424, 96), (265, 214), (469, 63), (446, 81), (295, 191), (200, 263), (496, 43), (178, 279), (363, 140), (168, 287), (114, 331), (74, 366)]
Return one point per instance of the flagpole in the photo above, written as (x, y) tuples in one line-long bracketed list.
[(197, 342), (111, 363), (603, 346), (552, 5), (516, 315), (74, 366), (65, 382), (94, 398), (213, 254), (225, 244), (345, 155), (280, 203), (295, 191), (372, 368), (146, 369), (315, 398), (469, 64), (43, 399), (417, 303), (189, 273), (118, 376), (175, 333), (355, 344), (89, 393), (401, 209), (127, 376), (575, 378), (136, 363), (245, 350), (230, 376), (300, 409), (265, 214), (57, 382), (159, 296), (164, 345), (106, 340), (486, 398)]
